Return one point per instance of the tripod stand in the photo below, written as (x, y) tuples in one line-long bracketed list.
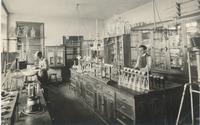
[(191, 90)]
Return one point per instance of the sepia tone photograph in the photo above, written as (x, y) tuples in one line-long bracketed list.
[(100, 62)]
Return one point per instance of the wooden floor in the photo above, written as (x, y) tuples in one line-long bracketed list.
[(65, 109)]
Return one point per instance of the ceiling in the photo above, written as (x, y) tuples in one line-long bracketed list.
[(101, 9)]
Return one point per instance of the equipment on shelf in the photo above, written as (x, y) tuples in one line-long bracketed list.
[(9, 109)]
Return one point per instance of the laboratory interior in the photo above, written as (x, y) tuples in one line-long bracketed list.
[(100, 62)]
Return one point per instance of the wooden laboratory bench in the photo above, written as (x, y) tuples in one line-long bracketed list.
[(9, 108), (37, 118), (116, 104)]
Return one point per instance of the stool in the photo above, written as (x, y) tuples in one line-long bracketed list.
[(53, 75)]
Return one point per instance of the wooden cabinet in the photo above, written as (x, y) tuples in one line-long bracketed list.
[(118, 105), (73, 46), (109, 104), (89, 93), (125, 109), (55, 56), (117, 50)]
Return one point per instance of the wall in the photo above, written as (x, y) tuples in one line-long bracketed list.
[(145, 13), (56, 27)]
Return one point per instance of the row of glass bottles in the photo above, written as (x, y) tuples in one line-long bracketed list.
[(139, 81)]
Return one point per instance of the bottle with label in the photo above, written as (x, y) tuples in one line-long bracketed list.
[(135, 82), (143, 81), (162, 82), (158, 82), (138, 81), (131, 79), (147, 87), (32, 32), (150, 82), (154, 82), (126, 80)]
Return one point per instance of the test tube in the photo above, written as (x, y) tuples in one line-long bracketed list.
[(130, 80), (136, 80), (139, 81), (37, 88), (28, 89), (133, 78), (33, 94), (124, 80), (142, 84)]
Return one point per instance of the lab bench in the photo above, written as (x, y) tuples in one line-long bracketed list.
[(119, 105)]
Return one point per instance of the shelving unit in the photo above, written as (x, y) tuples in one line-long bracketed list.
[(167, 45), (117, 50), (55, 56), (164, 46)]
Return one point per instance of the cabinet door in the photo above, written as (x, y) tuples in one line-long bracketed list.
[(59, 60), (51, 58)]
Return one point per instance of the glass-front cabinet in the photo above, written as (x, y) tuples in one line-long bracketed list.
[(55, 56)]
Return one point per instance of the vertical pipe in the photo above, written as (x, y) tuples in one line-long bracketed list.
[(189, 68), (191, 101), (198, 64), (190, 82)]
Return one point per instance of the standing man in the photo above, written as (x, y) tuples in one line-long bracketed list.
[(42, 73), (144, 60)]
